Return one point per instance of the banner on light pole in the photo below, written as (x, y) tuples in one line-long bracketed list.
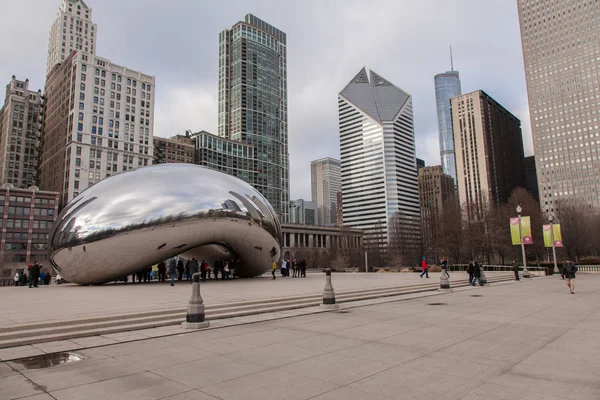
[(548, 233), (525, 231)]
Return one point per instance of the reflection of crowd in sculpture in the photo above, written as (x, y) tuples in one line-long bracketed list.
[(34, 276)]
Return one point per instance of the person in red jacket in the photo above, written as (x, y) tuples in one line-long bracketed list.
[(424, 267)]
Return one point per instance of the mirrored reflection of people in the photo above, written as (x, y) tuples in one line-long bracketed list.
[(273, 269), (180, 269), (424, 268), (515, 267), (172, 271), (203, 270), (17, 278), (569, 269), (225, 273)]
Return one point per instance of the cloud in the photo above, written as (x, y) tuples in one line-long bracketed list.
[(183, 108)]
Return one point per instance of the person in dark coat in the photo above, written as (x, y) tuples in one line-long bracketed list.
[(470, 271), (476, 274), (302, 268), (570, 270), (193, 268), (179, 269), (203, 270), (34, 275), (515, 267), (47, 278), (172, 271)]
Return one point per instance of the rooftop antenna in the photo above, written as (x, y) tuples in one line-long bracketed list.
[(451, 60)]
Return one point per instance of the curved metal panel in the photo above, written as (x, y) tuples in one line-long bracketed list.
[(140, 217)]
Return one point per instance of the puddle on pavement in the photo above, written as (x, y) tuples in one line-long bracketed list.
[(48, 360), (476, 295), (437, 304)]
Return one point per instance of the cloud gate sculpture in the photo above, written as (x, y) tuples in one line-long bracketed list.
[(137, 218)]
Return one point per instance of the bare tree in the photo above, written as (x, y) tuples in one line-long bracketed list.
[(580, 228), (404, 247)]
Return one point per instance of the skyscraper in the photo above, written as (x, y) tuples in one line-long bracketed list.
[(379, 169), (561, 50), (447, 85), (303, 212), (21, 121), (436, 194), (253, 102), (489, 152), (72, 30), (326, 182), (99, 115)]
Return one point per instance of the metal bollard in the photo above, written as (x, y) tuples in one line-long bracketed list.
[(195, 314), (444, 281), (328, 293)]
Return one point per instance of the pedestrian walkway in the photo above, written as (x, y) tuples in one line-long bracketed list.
[(526, 340)]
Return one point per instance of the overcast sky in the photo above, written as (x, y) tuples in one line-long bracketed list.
[(405, 41)]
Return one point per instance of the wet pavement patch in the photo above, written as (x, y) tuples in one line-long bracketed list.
[(437, 304), (476, 295), (48, 360)]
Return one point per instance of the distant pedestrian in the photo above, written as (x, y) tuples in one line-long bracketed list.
[(273, 269), (47, 279), (515, 267), (203, 270), (303, 268), (476, 274), (470, 270), (283, 267), (225, 273), (444, 264), (17, 279), (179, 269), (34, 274), (424, 267), (570, 270), (295, 269), (172, 271)]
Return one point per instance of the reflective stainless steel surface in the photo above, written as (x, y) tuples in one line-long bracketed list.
[(138, 218)]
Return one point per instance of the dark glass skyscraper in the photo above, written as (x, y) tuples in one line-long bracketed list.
[(253, 102), (447, 85)]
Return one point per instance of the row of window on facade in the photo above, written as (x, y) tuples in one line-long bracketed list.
[(21, 199), (24, 224), (26, 211), (23, 246)]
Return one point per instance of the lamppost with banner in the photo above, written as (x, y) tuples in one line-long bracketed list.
[(550, 218), (525, 270)]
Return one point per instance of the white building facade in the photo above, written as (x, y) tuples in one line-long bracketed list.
[(378, 160), (108, 120), (72, 30), (326, 183)]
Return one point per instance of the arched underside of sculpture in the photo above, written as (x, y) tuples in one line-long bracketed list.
[(138, 218)]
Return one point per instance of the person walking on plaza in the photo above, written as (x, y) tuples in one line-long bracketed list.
[(470, 271), (17, 278), (161, 270), (203, 270), (570, 270), (424, 267), (444, 264), (476, 274), (179, 269), (515, 267), (294, 269), (172, 271), (274, 269), (303, 268)]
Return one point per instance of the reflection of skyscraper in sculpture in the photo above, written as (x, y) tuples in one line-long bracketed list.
[(326, 182), (447, 85), (379, 169), (253, 103)]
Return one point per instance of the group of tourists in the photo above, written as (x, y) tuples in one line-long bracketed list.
[(34, 276), (175, 269), (298, 268), (474, 270)]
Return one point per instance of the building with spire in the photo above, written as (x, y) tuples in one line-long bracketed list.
[(378, 160), (447, 85), (253, 103)]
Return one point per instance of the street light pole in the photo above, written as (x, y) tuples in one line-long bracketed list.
[(525, 271), (556, 271)]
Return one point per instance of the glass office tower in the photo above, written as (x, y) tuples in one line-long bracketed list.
[(447, 85), (253, 103)]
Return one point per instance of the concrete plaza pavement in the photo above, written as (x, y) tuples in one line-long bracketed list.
[(526, 340), (21, 305)]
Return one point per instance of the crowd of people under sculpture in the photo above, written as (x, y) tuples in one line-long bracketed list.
[(298, 268), (34, 276), (174, 269)]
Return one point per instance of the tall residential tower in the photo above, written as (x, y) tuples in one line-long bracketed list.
[(489, 152), (326, 182), (447, 85), (379, 169), (561, 50), (253, 103)]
